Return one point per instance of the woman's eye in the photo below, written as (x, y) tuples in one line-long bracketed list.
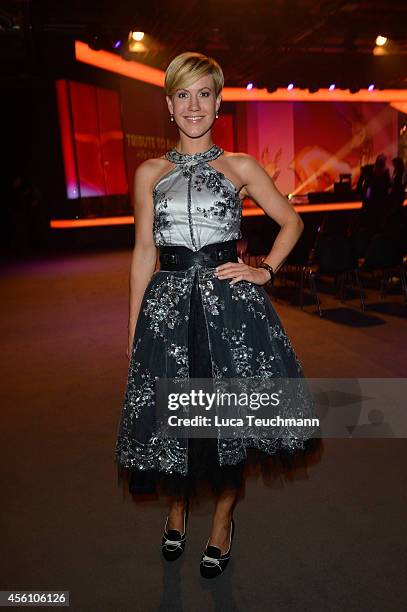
[(206, 94)]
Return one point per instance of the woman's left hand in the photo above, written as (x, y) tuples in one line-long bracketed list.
[(241, 271)]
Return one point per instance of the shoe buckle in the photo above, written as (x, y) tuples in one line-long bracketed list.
[(175, 543), (212, 562)]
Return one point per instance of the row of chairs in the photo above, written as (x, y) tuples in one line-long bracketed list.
[(322, 253)]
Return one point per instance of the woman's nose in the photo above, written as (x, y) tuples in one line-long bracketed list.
[(193, 103)]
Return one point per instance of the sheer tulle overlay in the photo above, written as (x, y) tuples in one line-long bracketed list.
[(205, 476), (204, 472)]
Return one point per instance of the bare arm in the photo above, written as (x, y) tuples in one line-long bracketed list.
[(144, 256), (260, 187)]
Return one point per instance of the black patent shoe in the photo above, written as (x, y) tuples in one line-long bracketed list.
[(213, 563), (173, 542)]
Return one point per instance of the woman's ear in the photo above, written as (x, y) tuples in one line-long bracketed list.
[(169, 104)]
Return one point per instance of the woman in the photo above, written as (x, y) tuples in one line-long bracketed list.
[(377, 195), (392, 224), (204, 313)]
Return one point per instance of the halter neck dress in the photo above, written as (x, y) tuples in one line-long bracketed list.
[(192, 324)]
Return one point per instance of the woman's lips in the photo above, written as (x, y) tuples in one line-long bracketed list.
[(194, 119)]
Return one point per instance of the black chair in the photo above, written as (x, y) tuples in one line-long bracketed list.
[(360, 239), (384, 255), (301, 260), (315, 241), (336, 258)]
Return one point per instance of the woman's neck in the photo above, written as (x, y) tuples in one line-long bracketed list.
[(190, 147)]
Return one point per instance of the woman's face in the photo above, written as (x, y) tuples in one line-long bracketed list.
[(194, 108)]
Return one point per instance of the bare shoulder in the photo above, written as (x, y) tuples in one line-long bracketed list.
[(241, 161), (242, 166), (239, 156), (149, 166), (150, 170)]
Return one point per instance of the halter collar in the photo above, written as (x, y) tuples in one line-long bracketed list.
[(176, 157)]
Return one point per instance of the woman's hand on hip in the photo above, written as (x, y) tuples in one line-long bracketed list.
[(241, 271)]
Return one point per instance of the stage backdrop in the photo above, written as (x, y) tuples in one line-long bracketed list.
[(305, 146)]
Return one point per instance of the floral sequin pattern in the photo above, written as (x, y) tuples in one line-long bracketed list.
[(180, 355), (212, 303), (165, 454), (240, 351), (266, 366), (277, 332), (226, 207), (164, 305), (249, 294), (140, 392), (161, 216)]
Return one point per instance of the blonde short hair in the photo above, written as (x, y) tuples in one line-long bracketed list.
[(187, 68)]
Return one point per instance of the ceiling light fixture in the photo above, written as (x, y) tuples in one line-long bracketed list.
[(137, 35), (381, 40)]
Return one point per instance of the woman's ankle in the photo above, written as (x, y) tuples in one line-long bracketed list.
[(177, 506), (222, 518)]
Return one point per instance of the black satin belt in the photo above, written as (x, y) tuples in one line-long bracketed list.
[(179, 257)]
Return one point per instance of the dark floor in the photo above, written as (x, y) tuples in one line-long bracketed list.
[(330, 540)]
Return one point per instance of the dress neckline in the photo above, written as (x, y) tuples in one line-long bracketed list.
[(176, 157)]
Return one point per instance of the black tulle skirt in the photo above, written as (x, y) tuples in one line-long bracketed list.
[(204, 471), (205, 476)]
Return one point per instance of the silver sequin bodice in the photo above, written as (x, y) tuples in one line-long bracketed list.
[(194, 204)]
